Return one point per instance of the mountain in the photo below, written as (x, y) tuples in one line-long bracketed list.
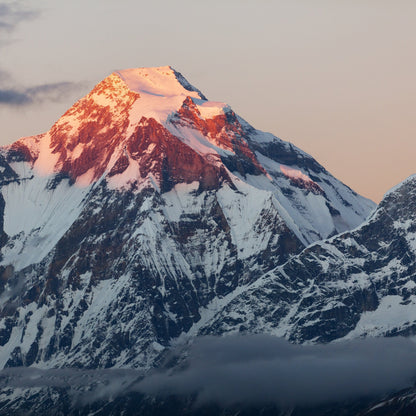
[(143, 209), (360, 283), (148, 216)]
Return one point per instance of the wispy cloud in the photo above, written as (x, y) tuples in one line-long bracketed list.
[(14, 12), (11, 93), (40, 93), (13, 97)]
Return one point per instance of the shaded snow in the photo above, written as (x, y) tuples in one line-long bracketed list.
[(36, 217)]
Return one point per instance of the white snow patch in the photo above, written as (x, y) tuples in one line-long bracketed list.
[(392, 313), (160, 81), (46, 162), (197, 141), (182, 199), (211, 109), (242, 211), (36, 217), (122, 180)]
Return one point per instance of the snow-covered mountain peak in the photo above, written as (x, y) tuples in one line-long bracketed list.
[(149, 128), (130, 128), (160, 81), (395, 188)]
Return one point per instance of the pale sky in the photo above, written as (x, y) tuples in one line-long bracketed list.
[(336, 77)]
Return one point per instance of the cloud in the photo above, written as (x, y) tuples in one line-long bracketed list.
[(13, 97), (52, 92), (40, 93), (246, 370), (29, 377), (262, 369), (82, 386), (12, 13)]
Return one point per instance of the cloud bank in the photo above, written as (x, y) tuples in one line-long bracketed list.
[(261, 369), (248, 370)]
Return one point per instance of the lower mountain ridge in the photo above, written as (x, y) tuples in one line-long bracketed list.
[(357, 284)]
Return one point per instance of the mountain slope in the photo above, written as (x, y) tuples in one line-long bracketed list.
[(360, 283)]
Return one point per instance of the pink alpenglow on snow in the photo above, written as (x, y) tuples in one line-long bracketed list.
[(136, 123), (149, 128), (299, 178)]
